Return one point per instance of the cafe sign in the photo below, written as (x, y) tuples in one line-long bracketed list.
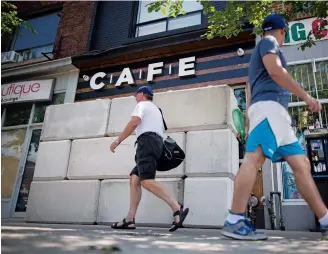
[(38, 90), (299, 30), (186, 68)]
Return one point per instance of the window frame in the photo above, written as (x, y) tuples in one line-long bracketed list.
[(55, 10), (135, 24)]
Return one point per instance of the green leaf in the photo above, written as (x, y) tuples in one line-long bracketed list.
[(163, 9)]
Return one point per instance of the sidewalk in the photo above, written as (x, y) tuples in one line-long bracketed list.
[(19, 237)]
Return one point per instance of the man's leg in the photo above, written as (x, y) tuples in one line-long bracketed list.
[(161, 192), (135, 197), (236, 225), (245, 180), (306, 186)]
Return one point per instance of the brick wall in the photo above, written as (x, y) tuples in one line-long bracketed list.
[(73, 31), (74, 27), (280, 6)]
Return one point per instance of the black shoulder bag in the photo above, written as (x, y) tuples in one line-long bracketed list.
[(172, 155)]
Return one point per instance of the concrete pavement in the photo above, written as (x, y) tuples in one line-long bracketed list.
[(22, 238)]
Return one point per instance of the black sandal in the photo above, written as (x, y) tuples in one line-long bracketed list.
[(182, 215), (125, 224)]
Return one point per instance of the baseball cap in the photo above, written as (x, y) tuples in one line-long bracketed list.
[(273, 21), (145, 90)]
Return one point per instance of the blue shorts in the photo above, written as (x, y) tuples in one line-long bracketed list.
[(270, 128)]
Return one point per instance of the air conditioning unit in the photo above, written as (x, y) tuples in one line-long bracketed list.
[(10, 57)]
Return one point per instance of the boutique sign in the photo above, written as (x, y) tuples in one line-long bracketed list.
[(299, 30), (186, 68), (39, 90)]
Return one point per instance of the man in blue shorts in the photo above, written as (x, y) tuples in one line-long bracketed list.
[(270, 134)]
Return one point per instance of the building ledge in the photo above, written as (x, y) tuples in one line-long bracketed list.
[(38, 68)]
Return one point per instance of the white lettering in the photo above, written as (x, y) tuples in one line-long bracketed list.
[(187, 66), (93, 84), (126, 76), (153, 71)]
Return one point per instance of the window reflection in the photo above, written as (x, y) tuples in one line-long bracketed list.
[(18, 114), (27, 179), (40, 108), (11, 149)]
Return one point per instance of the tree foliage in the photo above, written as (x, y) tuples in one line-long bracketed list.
[(10, 20), (230, 21)]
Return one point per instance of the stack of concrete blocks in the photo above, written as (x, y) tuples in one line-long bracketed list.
[(78, 180)]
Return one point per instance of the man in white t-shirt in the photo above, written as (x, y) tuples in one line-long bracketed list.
[(147, 121)]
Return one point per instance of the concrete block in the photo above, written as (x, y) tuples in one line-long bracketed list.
[(76, 120), (212, 110), (212, 153), (92, 159), (151, 211), (120, 114), (197, 109), (208, 200), (52, 160), (63, 202), (5, 209)]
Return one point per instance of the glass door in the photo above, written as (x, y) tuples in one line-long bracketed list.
[(25, 177)]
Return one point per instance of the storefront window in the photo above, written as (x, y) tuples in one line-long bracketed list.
[(240, 94), (28, 172), (40, 108), (304, 75), (321, 76), (14, 145), (11, 149), (17, 114), (302, 117)]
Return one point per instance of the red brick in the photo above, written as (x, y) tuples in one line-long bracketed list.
[(73, 29), (72, 34)]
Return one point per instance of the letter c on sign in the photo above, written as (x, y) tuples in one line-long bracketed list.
[(93, 84)]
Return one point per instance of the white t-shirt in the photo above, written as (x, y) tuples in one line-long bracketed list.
[(151, 118)]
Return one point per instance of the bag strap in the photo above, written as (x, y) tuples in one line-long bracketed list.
[(165, 127)]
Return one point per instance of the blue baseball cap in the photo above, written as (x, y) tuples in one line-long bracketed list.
[(145, 90), (273, 21)]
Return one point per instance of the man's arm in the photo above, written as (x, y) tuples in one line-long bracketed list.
[(280, 75), (128, 130)]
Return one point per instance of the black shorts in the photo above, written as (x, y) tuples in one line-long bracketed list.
[(149, 149)]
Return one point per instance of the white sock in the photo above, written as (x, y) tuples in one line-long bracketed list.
[(234, 218), (324, 220)]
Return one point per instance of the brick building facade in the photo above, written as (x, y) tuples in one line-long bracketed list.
[(76, 19)]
